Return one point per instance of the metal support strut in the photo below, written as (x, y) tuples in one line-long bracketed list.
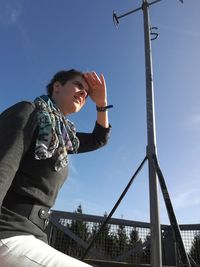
[(114, 208)]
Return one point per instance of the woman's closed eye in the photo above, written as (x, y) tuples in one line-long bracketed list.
[(81, 87)]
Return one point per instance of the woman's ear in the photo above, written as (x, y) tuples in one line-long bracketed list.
[(56, 87)]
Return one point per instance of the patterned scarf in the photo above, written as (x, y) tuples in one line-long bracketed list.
[(56, 134)]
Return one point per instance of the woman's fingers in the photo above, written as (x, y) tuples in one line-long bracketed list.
[(95, 77), (102, 79), (92, 78)]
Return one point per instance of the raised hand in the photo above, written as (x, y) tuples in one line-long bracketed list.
[(97, 88)]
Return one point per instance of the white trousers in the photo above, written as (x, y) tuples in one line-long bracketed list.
[(28, 251)]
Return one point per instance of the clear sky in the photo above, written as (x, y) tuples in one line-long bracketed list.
[(38, 38)]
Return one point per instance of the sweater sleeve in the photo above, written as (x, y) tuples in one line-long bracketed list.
[(92, 141), (16, 129)]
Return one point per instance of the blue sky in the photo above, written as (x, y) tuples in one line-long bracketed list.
[(38, 38)]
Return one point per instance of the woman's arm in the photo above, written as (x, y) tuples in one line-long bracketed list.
[(92, 141), (98, 94), (101, 132)]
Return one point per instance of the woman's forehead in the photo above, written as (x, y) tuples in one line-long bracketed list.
[(82, 81)]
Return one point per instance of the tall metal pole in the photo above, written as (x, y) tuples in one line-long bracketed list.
[(156, 253), (154, 169)]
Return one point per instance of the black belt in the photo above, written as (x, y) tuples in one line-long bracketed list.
[(37, 214)]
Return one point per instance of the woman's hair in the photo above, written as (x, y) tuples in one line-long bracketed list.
[(62, 76)]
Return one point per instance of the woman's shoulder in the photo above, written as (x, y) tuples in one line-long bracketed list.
[(20, 111), (23, 105), (20, 106)]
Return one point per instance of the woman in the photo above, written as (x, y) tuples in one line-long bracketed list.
[(35, 139)]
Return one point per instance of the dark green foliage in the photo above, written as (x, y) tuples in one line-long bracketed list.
[(134, 237), (121, 240), (105, 241), (195, 248), (133, 242), (146, 255), (79, 228), (111, 242)]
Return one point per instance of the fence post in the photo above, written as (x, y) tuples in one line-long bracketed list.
[(169, 255)]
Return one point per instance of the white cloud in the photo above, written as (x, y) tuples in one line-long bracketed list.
[(192, 122), (187, 199), (72, 168), (187, 194), (180, 31), (9, 15), (195, 119), (14, 16)]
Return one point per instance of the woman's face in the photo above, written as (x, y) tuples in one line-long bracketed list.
[(71, 96)]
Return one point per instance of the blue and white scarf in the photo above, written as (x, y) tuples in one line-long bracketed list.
[(56, 135)]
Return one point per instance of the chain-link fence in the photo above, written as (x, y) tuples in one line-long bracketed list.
[(120, 240)]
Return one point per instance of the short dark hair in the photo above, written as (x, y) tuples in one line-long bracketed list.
[(62, 76)]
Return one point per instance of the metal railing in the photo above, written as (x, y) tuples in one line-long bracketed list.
[(121, 240)]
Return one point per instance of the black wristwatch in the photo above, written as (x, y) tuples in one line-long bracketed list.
[(103, 109)]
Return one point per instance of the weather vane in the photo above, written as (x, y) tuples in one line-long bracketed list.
[(155, 172)]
